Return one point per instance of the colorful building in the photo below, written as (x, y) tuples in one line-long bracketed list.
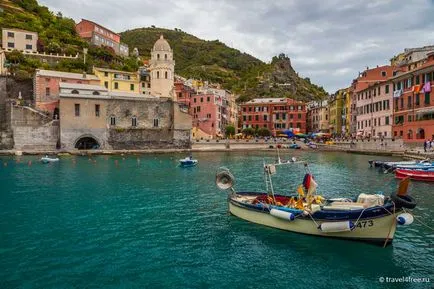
[(374, 110), (317, 116), (46, 86), (366, 78), (18, 39), (346, 112), (275, 114), (335, 104), (413, 102), (100, 36), (210, 117), (116, 80)]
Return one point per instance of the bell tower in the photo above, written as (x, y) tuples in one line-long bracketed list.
[(162, 68)]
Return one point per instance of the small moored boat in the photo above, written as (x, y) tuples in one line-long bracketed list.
[(47, 160), (369, 217), (418, 175), (187, 162)]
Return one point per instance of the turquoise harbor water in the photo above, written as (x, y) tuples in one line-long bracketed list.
[(143, 222)]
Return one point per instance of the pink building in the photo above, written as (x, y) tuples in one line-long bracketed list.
[(46, 87), (374, 110), (210, 113)]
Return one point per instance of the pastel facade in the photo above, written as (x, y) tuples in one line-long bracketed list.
[(317, 116), (275, 114), (366, 78), (207, 114), (18, 39), (100, 36), (374, 110), (162, 69), (335, 104), (413, 103), (46, 86), (116, 80)]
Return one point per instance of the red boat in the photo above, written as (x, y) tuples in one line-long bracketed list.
[(418, 175)]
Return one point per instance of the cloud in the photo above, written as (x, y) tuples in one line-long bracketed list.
[(327, 41)]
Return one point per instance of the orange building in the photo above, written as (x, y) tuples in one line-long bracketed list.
[(413, 102)]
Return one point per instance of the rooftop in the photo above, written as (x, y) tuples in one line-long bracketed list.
[(19, 30), (100, 26), (82, 86), (114, 71), (53, 73)]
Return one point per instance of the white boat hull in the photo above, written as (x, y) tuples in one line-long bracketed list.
[(376, 230)]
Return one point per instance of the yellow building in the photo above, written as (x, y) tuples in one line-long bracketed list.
[(116, 80), (346, 115), (336, 102)]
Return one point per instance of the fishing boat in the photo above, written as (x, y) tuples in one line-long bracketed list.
[(418, 175), (188, 162), (46, 160), (368, 218), (294, 146)]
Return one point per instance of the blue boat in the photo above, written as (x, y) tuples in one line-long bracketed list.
[(187, 162), (418, 166)]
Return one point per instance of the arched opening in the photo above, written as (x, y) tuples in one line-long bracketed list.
[(158, 56), (420, 133), (74, 91), (158, 74), (95, 93), (87, 143), (134, 121), (165, 74)]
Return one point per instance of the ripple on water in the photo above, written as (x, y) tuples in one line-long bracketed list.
[(78, 224)]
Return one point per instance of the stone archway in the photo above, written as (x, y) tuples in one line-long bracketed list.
[(87, 142)]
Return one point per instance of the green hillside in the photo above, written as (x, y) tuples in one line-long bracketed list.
[(218, 63), (195, 58), (56, 35)]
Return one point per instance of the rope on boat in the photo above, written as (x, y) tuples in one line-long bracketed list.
[(391, 226), (420, 222), (357, 221)]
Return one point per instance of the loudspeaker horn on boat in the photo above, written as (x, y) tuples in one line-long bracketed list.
[(224, 179)]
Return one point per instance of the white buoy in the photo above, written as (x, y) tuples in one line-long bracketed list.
[(334, 227), (288, 216), (405, 219)]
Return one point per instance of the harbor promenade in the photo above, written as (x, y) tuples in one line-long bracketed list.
[(387, 148)]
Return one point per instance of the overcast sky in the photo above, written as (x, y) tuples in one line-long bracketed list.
[(329, 41)]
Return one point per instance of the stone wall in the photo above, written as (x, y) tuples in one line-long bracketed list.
[(10, 89), (145, 135), (33, 130), (140, 138), (70, 136), (374, 144)]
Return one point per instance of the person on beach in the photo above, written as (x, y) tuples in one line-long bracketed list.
[(425, 145)]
